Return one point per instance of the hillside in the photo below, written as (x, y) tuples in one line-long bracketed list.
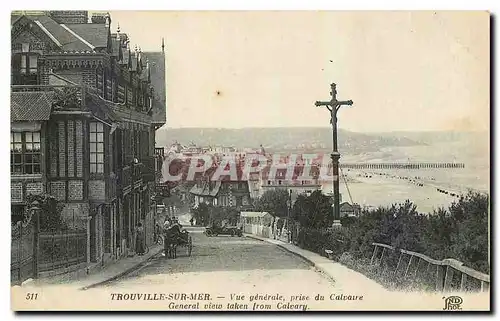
[(273, 139)]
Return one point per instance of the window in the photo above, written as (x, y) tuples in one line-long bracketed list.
[(96, 147), (16, 153), (25, 68), (25, 154)]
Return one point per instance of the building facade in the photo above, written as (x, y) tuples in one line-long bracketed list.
[(84, 111)]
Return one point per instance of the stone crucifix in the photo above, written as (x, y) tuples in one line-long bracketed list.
[(333, 106)]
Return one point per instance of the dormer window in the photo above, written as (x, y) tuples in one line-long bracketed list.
[(25, 66)]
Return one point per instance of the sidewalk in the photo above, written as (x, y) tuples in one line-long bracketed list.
[(344, 278), (98, 275)]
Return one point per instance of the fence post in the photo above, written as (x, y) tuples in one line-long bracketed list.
[(485, 286), (399, 263), (53, 247), (66, 247), (463, 282), (439, 278), (408, 266), (416, 269), (20, 251), (36, 240), (375, 250), (381, 257), (448, 278)]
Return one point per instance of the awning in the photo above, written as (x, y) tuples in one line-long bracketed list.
[(25, 127)]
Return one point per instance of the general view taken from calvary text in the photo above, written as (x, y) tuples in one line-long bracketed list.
[(277, 153)]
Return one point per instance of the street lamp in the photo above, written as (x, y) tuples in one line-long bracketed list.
[(35, 207)]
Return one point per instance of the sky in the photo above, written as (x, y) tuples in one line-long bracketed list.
[(405, 71)]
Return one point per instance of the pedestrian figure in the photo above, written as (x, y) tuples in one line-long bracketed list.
[(139, 241), (192, 221), (158, 232)]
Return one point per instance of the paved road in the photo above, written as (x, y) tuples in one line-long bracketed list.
[(225, 265)]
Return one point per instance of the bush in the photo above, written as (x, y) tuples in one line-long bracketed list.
[(459, 232)]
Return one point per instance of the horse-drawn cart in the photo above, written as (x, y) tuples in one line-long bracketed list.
[(173, 238)]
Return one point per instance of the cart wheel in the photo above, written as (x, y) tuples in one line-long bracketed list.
[(190, 246)]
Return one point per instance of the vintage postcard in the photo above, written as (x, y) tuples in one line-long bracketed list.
[(250, 161)]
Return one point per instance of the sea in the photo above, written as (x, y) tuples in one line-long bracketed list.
[(424, 187)]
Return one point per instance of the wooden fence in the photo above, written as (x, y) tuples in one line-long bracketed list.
[(443, 276)]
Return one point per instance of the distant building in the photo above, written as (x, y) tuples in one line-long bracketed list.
[(223, 192), (347, 209), (280, 181)]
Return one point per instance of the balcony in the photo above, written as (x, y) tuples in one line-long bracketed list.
[(64, 97), (148, 174), (160, 151), (137, 170), (125, 179)]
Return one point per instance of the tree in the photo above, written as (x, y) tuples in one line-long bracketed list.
[(50, 211), (313, 211), (275, 202)]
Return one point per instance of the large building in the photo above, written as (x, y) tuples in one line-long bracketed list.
[(84, 110)]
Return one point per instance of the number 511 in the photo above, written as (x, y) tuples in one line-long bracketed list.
[(31, 296)]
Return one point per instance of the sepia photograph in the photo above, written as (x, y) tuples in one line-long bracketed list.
[(250, 161)]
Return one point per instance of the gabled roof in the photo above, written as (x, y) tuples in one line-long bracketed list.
[(30, 106), (65, 39), (94, 33), (69, 37), (133, 59), (206, 189), (158, 81), (346, 206), (115, 47)]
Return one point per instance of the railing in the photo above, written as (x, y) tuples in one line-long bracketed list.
[(22, 252), (444, 276), (65, 96), (160, 151), (61, 249)]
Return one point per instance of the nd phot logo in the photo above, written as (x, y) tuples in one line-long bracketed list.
[(453, 303)]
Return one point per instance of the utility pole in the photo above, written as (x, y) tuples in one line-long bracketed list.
[(333, 106)]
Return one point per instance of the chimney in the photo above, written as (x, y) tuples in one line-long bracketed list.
[(69, 16), (99, 18), (107, 20)]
